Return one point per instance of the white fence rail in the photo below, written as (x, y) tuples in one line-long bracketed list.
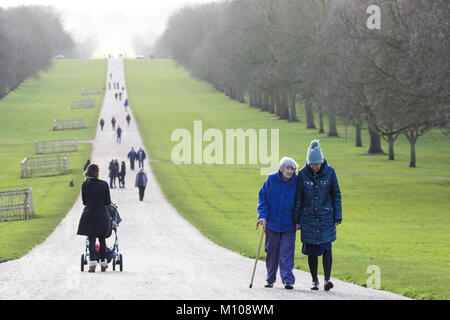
[(89, 91), (56, 146), (83, 103), (69, 124), (44, 166), (16, 205)]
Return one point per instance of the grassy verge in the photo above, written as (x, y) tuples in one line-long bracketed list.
[(26, 116)]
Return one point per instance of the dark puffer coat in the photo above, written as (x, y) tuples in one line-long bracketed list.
[(318, 204), (95, 220)]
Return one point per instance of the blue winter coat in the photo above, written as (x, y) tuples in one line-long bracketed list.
[(318, 204), (276, 202)]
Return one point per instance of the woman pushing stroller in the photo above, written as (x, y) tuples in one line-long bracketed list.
[(95, 221)]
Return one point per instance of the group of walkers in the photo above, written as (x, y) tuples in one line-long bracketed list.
[(116, 172), (309, 201)]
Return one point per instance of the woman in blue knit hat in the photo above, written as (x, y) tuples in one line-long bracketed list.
[(317, 212)]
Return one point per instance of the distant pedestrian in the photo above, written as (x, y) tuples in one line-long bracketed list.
[(116, 95), (109, 85), (123, 88), (113, 122), (111, 174), (88, 162), (117, 83), (141, 157), (122, 175), (102, 123), (116, 171), (141, 183), (120, 96), (132, 156), (119, 134), (125, 104), (110, 76), (128, 119)]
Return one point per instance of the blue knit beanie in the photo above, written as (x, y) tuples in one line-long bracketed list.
[(314, 155)]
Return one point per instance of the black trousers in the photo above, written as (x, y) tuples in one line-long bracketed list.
[(132, 165), (327, 262), (102, 250), (141, 193)]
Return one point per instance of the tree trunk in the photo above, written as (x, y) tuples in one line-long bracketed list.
[(321, 130), (332, 129), (375, 142), (277, 103), (358, 138), (293, 109), (391, 147), (412, 161), (272, 103), (266, 106), (284, 112), (309, 110)]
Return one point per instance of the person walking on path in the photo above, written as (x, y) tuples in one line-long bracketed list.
[(141, 183), (113, 122), (111, 174), (94, 221), (122, 175), (119, 134), (116, 168), (102, 123), (123, 88), (275, 213), (109, 85), (141, 157), (116, 95), (125, 104), (88, 162), (120, 96), (132, 156), (128, 119), (110, 75), (317, 212)]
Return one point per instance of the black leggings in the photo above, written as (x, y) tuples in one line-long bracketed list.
[(102, 250), (327, 260)]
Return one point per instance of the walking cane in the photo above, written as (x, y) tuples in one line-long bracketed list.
[(257, 253)]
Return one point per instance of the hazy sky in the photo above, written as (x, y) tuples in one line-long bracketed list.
[(112, 23)]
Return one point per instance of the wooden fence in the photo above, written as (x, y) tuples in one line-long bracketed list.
[(69, 124), (89, 91), (83, 103), (44, 166), (16, 205), (56, 146)]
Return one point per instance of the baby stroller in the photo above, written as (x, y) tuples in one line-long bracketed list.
[(112, 254)]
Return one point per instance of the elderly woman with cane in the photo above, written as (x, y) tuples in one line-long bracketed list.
[(275, 213), (95, 220), (318, 210)]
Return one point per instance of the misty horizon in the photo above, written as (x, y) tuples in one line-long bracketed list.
[(112, 26)]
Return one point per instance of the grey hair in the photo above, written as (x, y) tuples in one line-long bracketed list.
[(288, 162)]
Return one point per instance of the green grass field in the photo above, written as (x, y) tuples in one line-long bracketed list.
[(26, 115), (395, 217)]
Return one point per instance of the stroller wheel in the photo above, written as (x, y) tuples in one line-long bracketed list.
[(114, 264), (82, 262), (121, 262)]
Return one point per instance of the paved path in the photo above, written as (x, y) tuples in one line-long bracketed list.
[(164, 256)]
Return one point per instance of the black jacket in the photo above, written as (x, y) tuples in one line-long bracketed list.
[(95, 220)]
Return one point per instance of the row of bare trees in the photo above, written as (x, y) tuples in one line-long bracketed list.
[(272, 54), (29, 37)]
